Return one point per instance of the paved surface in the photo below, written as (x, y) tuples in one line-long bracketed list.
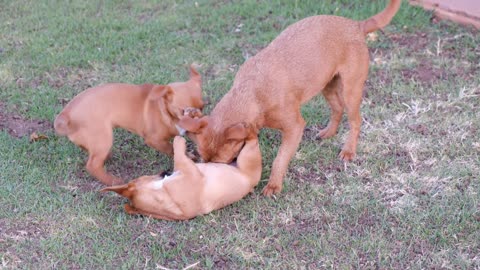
[(461, 11)]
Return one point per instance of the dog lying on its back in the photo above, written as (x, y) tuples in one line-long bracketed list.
[(194, 188), (319, 54), (151, 111)]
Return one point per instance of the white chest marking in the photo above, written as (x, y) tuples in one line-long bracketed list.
[(158, 184)]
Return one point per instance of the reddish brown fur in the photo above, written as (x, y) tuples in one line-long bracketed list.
[(148, 110), (319, 54), (194, 189)]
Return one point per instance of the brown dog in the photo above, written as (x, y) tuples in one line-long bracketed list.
[(151, 111), (319, 54), (194, 188)]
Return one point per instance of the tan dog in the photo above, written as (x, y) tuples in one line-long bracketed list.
[(194, 188), (319, 54), (151, 111)]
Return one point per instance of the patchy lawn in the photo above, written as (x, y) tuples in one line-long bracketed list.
[(409, 200)]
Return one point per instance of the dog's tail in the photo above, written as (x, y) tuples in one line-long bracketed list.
[(381, 19), (194, 75), (62, 124)]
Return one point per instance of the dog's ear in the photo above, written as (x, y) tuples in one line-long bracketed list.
[(237, 132), (161, 91), (125, 190), (252, 132), (193, 125), (194, 75)]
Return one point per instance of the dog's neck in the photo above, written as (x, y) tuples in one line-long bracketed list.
[(163, 119), (231, 110)]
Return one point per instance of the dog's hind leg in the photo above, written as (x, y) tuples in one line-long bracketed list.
[(292, 131), (353, 80), (98, 151), (352, 106), (331, 93)]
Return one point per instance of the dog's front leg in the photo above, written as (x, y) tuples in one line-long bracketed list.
[(95, 166), (291, 138), (160, 145), (181, 161), (188, 185)]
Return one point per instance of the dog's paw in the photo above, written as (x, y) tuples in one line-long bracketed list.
[(179, 144), (111, 180), (326, 133), (271, 189), (117, 181), (346, 155)]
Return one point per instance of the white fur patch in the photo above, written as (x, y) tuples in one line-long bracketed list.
[(180, 130), (158, 184)]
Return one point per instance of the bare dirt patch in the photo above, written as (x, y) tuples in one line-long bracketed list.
[(14, 233), (27, 229), (428, 50), (425, 73), (76, 78), (308, 173), (417, 42), (17, 126)]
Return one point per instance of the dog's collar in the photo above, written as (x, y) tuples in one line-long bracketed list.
[(180, 130)]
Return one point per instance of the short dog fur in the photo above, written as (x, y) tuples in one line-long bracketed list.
[(151, 111), (194, 188), (319, 54)]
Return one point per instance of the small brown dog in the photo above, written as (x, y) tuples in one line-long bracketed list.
[(319, 54), (194, 188), (151, 111)]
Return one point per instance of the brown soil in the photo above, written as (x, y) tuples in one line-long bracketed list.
[(425, 72), (17, 126)]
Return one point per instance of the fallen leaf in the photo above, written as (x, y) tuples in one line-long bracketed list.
[(379, 61), (37, 137), (372, 36), (192, 112)]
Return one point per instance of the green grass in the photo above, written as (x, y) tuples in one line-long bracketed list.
[(410, 199)]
